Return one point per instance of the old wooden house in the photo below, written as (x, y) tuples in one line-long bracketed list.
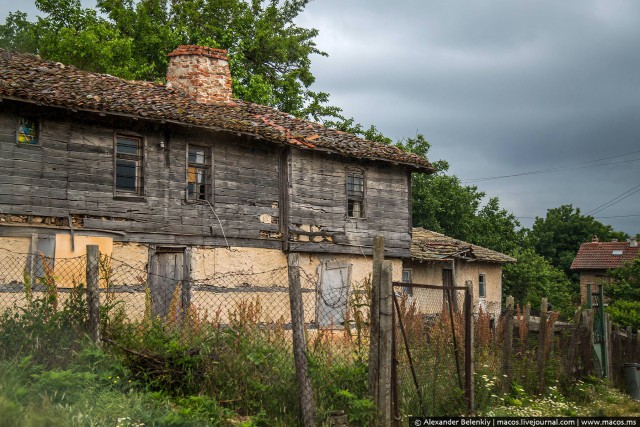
[(441, 260), (188, 179)]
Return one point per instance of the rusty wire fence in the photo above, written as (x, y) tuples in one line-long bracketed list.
[(227, 335)]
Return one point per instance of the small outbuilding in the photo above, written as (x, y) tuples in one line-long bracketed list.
[(437, 259)]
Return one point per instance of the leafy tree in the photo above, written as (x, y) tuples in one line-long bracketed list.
[(559, 235), (533, 277), (624, 292), (496, 228), (269, 54)]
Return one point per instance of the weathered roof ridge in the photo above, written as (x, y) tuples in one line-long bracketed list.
[(427, 245), (28, 78)]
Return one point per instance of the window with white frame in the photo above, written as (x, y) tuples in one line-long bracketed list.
[(198, 173), (482, 286), (355, 194), (129, 165)]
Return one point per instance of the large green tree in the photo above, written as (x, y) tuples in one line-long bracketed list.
[(533, 277), (558, 236), (270, 56), (624, 294)]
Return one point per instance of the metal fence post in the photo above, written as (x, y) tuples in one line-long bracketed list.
[(374, 314), (307, 402), (93, 292)]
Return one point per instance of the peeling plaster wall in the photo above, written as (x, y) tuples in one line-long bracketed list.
[(13, 258), (431, 273)]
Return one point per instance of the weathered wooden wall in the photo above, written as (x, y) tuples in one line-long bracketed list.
[(318, 206), (255, 183)]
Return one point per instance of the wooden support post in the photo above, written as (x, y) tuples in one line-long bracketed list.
[(386, 335), (542, 344), (572, 360), (468, 347), (93, 291), (616, 356), (507, 344), (307, 403), (587, 340), (374, 312)]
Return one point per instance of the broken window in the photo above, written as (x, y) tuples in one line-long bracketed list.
[(129, 165), (198, 173), (27, 131), (355, 194)]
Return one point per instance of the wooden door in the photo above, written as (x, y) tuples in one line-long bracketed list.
[(333, 294), (166, 279)]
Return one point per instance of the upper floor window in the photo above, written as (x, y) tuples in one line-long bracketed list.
[(355, 194), (198, 173), (482, 286), (28, 132), (129, 157)]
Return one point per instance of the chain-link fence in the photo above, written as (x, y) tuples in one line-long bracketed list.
[(228, 335)]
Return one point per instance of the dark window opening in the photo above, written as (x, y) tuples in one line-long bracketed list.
[(355, 194), (482, 286), (198, 174), (28, 131), (128, 165), (406, 278)]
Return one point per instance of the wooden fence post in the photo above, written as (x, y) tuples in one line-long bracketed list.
[(542, 343), (93, 291), (374, 314), (307, 403), (571, 360), (386, 335), (468, 347), (507, 344)]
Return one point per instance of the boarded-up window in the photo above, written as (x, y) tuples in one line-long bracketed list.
[(355, 194), (333, 294), (129, 178), (27, 132), (198, 173), (406, 278)]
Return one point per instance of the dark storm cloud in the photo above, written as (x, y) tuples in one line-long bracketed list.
[(497, 86)]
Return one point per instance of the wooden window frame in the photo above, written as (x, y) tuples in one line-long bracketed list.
[(139, 158), (407, 289), (354, 196), (38, 128), (482, 285), (207, 166)]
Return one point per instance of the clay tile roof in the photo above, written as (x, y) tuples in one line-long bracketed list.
[(428, 245), (600, 255), (29, 78)]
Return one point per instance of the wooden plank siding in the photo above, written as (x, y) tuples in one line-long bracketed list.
[(71, 172)]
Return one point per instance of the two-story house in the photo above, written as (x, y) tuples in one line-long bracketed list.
[(186, 178)]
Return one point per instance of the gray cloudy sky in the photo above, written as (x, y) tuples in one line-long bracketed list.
[(499, 87)]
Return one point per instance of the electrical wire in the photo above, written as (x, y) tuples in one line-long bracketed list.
[(628, 193), (574, 166)]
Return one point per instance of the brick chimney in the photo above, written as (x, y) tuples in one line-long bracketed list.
[(633, 242), (201, 72)]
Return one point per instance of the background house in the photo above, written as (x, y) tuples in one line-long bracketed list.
[(189, 181), (594, 259), (437, 259)]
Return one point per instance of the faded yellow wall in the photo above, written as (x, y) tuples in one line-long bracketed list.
[(13, 258), (431, 273)]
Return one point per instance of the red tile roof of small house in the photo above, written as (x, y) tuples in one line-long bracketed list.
[(428, 245), (600, 255), (28, 78)]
